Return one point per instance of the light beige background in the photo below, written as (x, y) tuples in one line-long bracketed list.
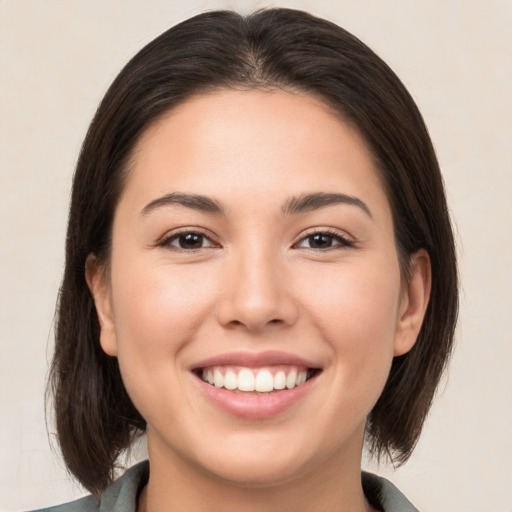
[(56, 60)]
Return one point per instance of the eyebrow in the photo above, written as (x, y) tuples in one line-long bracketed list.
[(194, 201), (318, 200), (294, 205)]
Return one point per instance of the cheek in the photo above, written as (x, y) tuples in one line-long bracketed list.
[(356, 310), (356, 298), (158, 308)]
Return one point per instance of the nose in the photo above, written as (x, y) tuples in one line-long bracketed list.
[(256, 294)]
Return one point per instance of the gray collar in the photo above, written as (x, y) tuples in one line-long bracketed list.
[(123, 494)]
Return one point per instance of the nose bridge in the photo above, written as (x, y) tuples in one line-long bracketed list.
[(255, 292)]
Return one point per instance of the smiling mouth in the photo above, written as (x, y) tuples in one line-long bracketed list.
[(263, 380)]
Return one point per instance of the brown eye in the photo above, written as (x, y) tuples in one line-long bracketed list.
[(188, 241), (320, 241), (324, 240)]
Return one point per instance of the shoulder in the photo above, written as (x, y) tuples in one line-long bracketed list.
[(121, 496), (381, 493)]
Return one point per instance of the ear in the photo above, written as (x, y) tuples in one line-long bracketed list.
[(99, 287), (414, 302)]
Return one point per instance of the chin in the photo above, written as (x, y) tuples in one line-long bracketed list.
[(262, 460), (260, 472)]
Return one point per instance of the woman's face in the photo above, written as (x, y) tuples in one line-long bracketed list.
[(253, 247)]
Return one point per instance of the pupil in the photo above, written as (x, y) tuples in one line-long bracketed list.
[(320, 240), (191, 241)]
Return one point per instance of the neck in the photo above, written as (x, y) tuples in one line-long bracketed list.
[(179, 485)]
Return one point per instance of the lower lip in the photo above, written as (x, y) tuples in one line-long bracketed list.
[(255, 407)]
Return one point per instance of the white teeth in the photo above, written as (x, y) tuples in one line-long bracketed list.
[(280, 380), (260, 380), (230, 380), (218, 379), (264, 381), (291, 379), (245, 380)]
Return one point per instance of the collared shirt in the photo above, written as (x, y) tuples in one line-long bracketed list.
[(122, 495)]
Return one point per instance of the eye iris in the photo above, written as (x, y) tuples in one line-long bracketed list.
[(320, 241), (190, 241)]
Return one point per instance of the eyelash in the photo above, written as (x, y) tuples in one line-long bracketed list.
[(342, 242), (168, 240)]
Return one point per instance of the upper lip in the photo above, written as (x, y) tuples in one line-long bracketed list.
[(255, 360)]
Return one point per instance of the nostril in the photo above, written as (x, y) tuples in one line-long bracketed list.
[(253, 311)]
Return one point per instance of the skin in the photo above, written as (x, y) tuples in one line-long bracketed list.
[(255, 283)]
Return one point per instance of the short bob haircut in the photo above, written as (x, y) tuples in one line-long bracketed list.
[(275, 48)]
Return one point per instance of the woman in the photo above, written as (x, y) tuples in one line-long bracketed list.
[(260, 274)]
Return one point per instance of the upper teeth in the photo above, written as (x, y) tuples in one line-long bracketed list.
[(250, 379)]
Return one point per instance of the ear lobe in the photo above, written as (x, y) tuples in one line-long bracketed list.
[(100, 290), (414, 302)]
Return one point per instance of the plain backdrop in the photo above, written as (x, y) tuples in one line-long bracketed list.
[(57, 58)]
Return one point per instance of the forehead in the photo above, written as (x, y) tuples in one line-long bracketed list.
[(231, 143), (271, 116)]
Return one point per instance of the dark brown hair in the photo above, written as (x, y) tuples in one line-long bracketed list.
[(284, 48)]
